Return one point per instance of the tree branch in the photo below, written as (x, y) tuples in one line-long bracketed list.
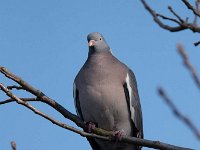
[(167, 18), (13, 145), (24, 99), (188, 65), (42, 97), (175, 14), (178, 114), (182, 25), (195, 22), (97, 132), (15, 87), (159, 22), (196, 43), (26, 104), (189, 6)]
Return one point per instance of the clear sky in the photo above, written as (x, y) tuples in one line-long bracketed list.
[(44, 42)]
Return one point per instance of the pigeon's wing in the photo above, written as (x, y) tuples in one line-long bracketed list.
[(133, 100), (92, 142), (76, 101)]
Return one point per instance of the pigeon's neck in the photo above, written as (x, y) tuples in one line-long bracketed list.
[(93, 52), (99, 60)]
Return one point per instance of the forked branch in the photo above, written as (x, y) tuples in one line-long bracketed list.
[(97, 132), (181, 24)]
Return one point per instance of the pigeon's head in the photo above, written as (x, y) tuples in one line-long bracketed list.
[(97, 43)]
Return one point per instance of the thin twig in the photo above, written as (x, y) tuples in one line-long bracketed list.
[(178, 114), (13, 145), (188, 65), (42, 97), (175, 14), (196, 43), (12, 100), (62, 125), (29, 106), (195, 22), (159, 22), (189, 6), (167, 18), (15, 87)]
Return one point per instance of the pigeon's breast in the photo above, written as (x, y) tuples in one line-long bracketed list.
[(102, 97)]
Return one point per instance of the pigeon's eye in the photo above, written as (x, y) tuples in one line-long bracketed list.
[(100, 39)]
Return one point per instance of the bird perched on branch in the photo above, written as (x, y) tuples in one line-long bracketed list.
[(106, 95)]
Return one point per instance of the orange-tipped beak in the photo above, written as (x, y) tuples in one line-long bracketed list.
[(91, 43)]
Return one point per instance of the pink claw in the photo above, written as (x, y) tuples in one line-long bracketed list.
[(119, 134), (90, 126)]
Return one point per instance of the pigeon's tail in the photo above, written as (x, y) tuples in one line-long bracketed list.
[(93, 144), (138, 148)]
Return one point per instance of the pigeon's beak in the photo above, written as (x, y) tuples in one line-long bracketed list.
[(91, 43)]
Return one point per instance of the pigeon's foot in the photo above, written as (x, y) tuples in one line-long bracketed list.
[(119, 134), (90, 126)]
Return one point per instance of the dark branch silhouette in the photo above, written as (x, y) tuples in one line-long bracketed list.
[(13, 145), (189, 6), (15, 87), (178, 114), (181, 24), (97, 132), (24, 99), (196, 43), (169, 102), (188, 65)]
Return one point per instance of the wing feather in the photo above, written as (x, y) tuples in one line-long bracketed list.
[(133, 101)]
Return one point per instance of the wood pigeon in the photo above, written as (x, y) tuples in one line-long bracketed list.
[(105, 93)]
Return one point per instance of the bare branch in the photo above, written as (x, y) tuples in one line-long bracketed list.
[(167, 18), (15, 87), (159, 22), (189, 6), (196, 43), (131, 140), (43, 98), (12, 100), (175, 14), (195, 22), (13, 145), (182, 25), (26, 104), (65, 126), (178, 114), (97, 132), (188, 65)]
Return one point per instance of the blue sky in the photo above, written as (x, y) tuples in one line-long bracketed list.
[(44, 42)]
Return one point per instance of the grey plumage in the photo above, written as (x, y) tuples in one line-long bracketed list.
[(105, 92)]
